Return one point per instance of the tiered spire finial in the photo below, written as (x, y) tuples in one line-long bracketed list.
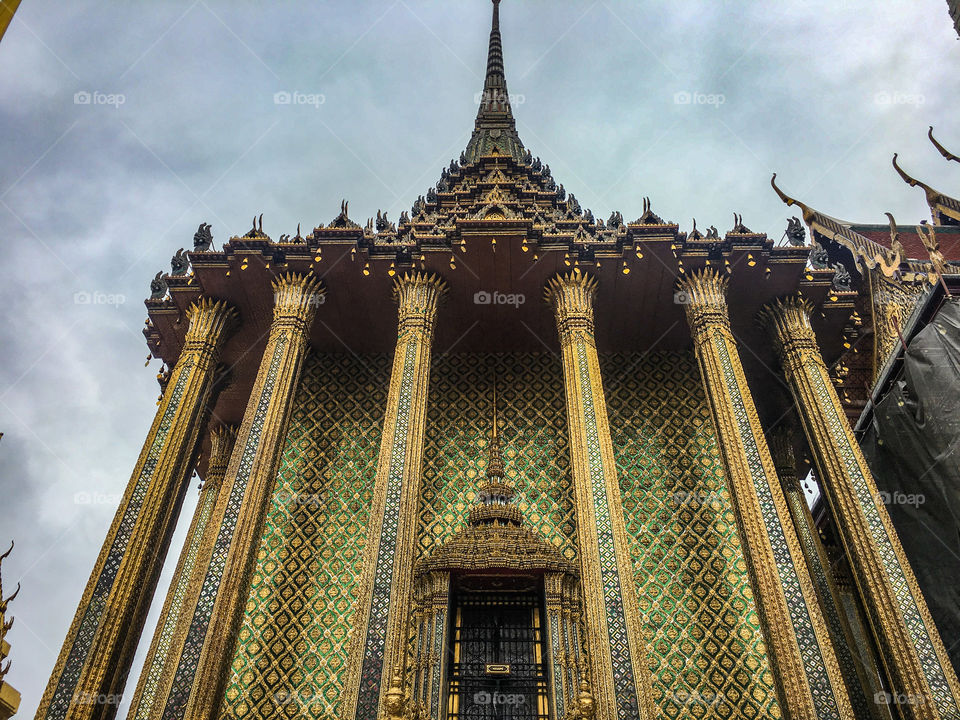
[(495, 131), (495, 504)]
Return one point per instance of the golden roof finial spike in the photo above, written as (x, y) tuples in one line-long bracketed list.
[(934, 198), (940, 148), (807, 211), (900, 171)]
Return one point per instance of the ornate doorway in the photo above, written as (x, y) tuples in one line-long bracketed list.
[(497, 669)]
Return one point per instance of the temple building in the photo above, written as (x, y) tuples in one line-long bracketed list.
[(9, 697), (503, 458)]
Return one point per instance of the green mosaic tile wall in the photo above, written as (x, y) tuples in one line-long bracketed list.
[(534, 438), (292, 646), (708, 656), (709, 659)]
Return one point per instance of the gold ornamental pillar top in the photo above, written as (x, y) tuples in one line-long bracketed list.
[(296, 298), (571, 295), (210, 321), (788, 322), (781, 448), (222, 438), (703, 294), (418, 296)]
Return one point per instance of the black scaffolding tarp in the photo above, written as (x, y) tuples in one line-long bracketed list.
[(912, 444)]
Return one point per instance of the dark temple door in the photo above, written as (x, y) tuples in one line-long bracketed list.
[(497, 657)]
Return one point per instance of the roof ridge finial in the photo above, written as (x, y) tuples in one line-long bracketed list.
[(940, 148)]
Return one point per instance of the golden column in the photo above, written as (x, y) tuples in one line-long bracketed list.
[(617, 654), (251, 475), (802, 656), (377, 664), (924, 683), (7, 9), (90, 673), (859, 670), (163, 658)]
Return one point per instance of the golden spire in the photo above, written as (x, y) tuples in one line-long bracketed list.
[(495, 495), (495, 128), (495, 455)]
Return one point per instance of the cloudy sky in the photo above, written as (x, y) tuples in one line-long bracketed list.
[(182, 128)]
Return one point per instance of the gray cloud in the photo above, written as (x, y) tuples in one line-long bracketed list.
[(96, 198)]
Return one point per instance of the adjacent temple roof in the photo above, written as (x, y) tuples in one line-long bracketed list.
[(911, 252)]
